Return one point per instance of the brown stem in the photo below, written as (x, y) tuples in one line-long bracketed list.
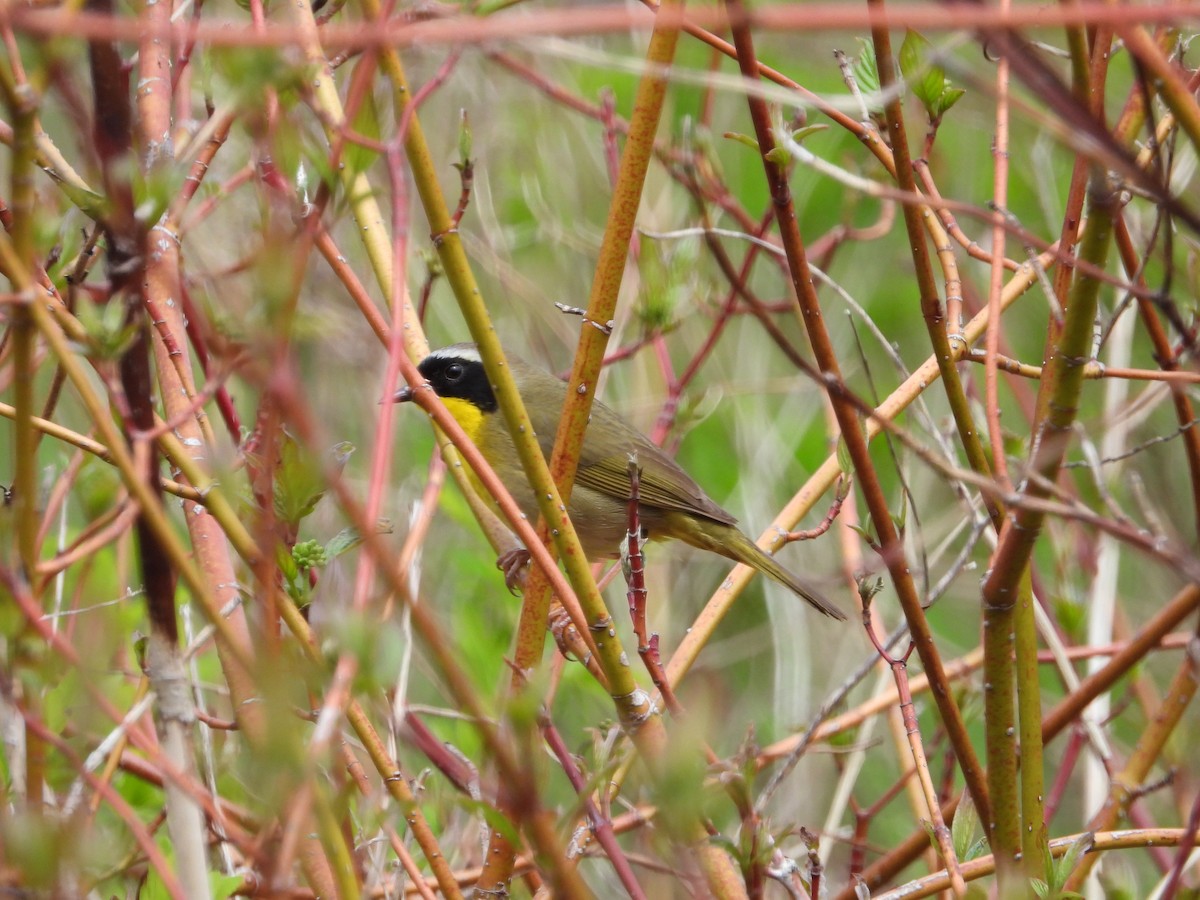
[(851, 429)]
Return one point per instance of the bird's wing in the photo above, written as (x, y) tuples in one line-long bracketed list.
[(604, 467), (604, 463)]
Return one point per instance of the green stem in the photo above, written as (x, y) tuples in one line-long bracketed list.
[(1000, 717), (1089, 66), (23, 334), (1029, 728), (1004, 593), (998, 630)]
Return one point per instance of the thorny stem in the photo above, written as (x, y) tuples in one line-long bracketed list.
[(635, 563), (467, 176), (840, 493), (601, 825), (899, 667)]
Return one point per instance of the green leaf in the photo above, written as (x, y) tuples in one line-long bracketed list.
[(94, 206), (865, 533), (866, 74), (930, 88), (224, 886), (297, 587), (300, 479), (978, 849), (900, 519), (287, 564), (845, 464), (490, 7), (366, 122), (1071, 616), (495, 819), (927, 79), (153, 888), (349, 538), (962, 829), (299, 482), (141, 644), (742, 139), (912, 55), (1039, 887), (104, 324), (779, 156), (664, 283), (929, 831), (339, 454), (249, 72), (1070, 859), (947, 99), (153, 192), (465, 139), (868, 588), (1048, 867), (313, 158), (801, 133), (847, 738)]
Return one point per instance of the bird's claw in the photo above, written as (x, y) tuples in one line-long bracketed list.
[(513, 564)]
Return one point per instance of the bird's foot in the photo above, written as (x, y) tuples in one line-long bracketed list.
[(514, 564)]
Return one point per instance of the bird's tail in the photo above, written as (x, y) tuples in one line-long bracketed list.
[(729, 541)]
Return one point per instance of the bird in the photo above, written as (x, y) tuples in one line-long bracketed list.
[(671, 505)]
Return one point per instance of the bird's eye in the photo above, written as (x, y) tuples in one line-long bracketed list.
[(454, 371)]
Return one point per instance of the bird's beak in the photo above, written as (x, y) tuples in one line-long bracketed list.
[(403, 395)]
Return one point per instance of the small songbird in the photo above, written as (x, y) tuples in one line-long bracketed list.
[(671, 504)]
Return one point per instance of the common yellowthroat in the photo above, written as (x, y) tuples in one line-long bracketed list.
[(671, 504)]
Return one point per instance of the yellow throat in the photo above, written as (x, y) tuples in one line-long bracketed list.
[(467, 415)]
